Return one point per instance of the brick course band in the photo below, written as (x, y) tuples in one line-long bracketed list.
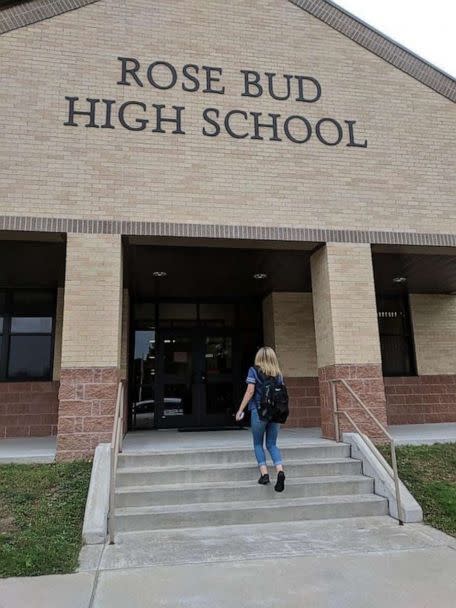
[(222, 231), (421, 399), (86, 412), (367, 382), (304, 401), (28, 409), (380, 45), (27, 13)]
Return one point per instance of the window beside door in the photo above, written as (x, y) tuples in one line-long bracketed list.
[(27, 321), (396, 335), (144, 375)]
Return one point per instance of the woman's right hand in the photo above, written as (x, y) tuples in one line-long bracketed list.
[(239, 415)]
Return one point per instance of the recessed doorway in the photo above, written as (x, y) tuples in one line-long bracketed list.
[(187, 372), (196, 322)]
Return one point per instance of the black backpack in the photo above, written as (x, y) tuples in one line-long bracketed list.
[(273, 402)]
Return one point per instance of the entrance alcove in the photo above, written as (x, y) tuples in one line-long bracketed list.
[(198, 310)]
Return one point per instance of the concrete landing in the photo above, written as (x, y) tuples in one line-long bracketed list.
[(42, 449), (172, 440)]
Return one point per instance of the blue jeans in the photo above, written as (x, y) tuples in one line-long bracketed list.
[(259, 429)]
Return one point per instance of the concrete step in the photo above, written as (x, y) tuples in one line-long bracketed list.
[(147, 476), (131, 519), (228, 455), (138, 496)]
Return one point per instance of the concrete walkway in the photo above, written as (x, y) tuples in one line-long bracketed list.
[(424, 434), (27, 450), (323, 564)]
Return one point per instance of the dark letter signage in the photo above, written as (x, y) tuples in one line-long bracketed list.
[(154, 116)]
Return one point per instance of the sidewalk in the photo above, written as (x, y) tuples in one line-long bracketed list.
[(26, 450), (424, 434), (350, 563)]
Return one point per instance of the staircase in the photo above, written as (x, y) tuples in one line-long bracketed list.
[(210, 487)]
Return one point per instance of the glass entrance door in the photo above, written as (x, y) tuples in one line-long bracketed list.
[(188, 362), (177, 394), (218, 373), (194, 378)]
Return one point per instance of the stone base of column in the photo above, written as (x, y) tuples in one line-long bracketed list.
[(367, 382), (86, 411)]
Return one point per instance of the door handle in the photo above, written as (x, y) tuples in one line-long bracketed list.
[(198, 377)]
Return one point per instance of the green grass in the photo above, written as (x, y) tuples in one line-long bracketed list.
[(429, 472), (41, 514)]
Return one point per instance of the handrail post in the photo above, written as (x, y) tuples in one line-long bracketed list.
[(111, 530), (116, 447), (122, 407), (335, 411), (400, 513)]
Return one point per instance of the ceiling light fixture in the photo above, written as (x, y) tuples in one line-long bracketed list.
[(399, 280), (260, 276), (159, 274)]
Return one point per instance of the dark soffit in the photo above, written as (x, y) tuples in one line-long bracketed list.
[(424, 273)]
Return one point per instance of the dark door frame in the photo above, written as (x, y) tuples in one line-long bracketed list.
[(199, 418), (196, 379)]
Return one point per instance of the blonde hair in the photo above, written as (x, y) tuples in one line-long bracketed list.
[(266, 360)]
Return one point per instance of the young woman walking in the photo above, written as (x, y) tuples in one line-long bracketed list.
[(266, 364)]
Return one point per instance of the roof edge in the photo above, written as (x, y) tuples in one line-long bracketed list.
[(33, 11), (380, 45), (20, 15)]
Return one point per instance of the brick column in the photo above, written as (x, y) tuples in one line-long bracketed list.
[(91, 344), (346, 329)]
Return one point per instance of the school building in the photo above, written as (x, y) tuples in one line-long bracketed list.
[(185, 181)]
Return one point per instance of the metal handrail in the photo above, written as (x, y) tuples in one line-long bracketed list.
[(337, 413), (116, 448)]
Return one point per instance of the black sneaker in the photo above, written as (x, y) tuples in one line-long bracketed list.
[(280, 484), (264, 480)]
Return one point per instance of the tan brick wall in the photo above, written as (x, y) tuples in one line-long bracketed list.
[(401, 181), (346, 330), (346, 323), (291, 315), (288, 327), (434, 324), (58, 334), (93, 302)]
